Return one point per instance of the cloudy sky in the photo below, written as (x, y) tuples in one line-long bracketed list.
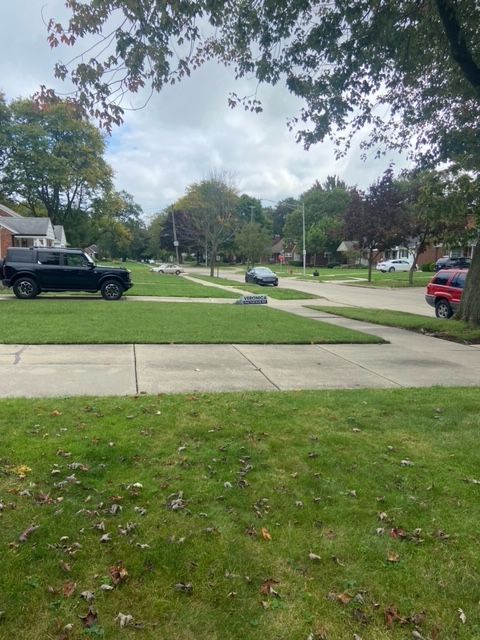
[(188, 130)]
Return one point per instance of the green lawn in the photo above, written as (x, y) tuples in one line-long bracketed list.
[(447, 329), (387, 280), (272, 292), (97, 321), (210, 506)]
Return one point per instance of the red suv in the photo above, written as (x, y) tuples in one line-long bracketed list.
[(445, 291)]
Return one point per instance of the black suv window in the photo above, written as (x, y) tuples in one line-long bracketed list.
[(49, 257), (75, 260), (459, 280), (442, 278), (20, 255)]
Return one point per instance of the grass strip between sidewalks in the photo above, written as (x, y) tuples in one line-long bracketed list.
[(273, 292), (241, 516), (454, 330), (76, 321)]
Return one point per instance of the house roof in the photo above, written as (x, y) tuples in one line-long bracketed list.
[(8, 213), (59, 232), (347, 245), (28, 226), (277, 246)]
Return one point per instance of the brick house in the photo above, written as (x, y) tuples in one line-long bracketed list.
[(19, 231)]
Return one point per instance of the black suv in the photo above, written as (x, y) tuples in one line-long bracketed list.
[(452, 263), (31, 271)]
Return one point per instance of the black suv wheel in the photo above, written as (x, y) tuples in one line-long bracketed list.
[(25, 288), (111, 290)]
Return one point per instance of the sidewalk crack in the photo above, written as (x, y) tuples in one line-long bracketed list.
[(18, 354), (135, 369), (257, 368)]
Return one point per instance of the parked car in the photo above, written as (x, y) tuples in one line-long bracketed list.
[(33, 271), (262, 275), (168, 267), (452, 263), (444, 291), (401, 264)]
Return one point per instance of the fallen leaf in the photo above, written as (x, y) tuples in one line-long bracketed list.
[(23, 537), (391, 615), (106, 587), (267, 588), (68, 589), (344, 598), (184, 587), (406, 463), (314, 557), (393, 557), (124, 619), (90, 618), (106, 537), (118, 574), (265, 534), (22, 471), (462, 616), (87, 595)]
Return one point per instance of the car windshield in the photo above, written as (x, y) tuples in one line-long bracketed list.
[(89, 258), (264, 271)]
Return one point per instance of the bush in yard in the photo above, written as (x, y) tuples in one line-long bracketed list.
[(428, 267)]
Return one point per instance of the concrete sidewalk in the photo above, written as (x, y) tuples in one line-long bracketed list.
[(410, 360)]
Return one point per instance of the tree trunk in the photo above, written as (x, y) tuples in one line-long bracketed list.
[(213, 259), (413, 268), (469, 309), (370, 261)]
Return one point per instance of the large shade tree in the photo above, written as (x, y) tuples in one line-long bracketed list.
[(209, 210), (53, 159), (377, 220), (406, 70)]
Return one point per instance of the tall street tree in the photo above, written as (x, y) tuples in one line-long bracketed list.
[(406, 70), (377, 220), (211, 205), (438, 206), (253, 242), (54, 161)]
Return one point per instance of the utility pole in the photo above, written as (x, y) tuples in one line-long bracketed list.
[(303, 228), (175, 241)]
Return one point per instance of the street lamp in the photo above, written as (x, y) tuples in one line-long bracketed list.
[(294, 206)]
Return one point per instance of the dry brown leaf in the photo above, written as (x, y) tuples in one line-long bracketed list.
[(391, 615), (118, 574), (267, 587), (68, 589), (344, 598), (55, 413), (265, 534), (393, 557), (90, 618)]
